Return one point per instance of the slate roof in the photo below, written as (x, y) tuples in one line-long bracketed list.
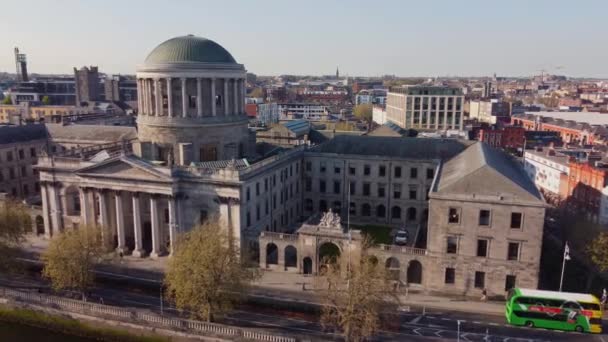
[(91, 133), (407, 148), (188, 49), (299, 127), (239, 164), (483, 170), (16, 134)]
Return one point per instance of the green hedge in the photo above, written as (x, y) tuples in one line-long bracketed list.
[(70, 326)]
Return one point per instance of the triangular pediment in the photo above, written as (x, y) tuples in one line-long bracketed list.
[(124, 168)]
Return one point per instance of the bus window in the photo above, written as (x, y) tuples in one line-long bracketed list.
[(590, 306)]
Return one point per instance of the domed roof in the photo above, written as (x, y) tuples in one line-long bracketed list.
[(189, 49)]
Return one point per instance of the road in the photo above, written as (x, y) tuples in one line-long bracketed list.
[(414, 325)]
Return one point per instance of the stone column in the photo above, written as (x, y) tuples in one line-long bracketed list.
[(156, 252), (213, 106), (149, 106), (45, 211), (157, 95), (242, 96), (235, 97), (184, 99), (120, 223), (141, 95), (225, 98), (85, 208), (104, 220), (137, 232), (169, 97), (139, 106), (55, 207), (172, 223), (144, 96), (199, 97)]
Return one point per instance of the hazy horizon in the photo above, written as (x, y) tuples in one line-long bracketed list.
[(402, 38)]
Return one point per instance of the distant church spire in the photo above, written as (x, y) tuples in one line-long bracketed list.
[(337, 73)]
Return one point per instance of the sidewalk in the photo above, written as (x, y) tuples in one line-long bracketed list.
[(291, 284), (284, 285)]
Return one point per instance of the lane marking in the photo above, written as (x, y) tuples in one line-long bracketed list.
[(415, 320)]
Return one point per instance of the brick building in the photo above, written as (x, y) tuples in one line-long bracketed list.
[(511, 137)]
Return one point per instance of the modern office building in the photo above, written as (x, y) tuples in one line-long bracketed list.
[(425, 107)]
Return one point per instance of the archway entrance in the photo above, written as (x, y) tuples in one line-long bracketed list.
[(291, 257), (414, 272), (39, 225), (272, 254), (307, 265), (329, 253), (392, 267)]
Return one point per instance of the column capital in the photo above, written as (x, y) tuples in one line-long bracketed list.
[(228, 200)]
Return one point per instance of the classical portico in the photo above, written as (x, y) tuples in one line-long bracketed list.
[(192, 103)]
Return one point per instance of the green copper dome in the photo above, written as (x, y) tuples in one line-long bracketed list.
[(189, 49)]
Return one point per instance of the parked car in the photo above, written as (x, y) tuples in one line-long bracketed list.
[(402, 237)]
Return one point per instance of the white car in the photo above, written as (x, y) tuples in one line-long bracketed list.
[(402, 237)]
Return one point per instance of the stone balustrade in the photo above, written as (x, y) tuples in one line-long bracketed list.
[(122, 314), (402, 249)]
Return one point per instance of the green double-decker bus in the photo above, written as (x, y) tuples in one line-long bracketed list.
[(554, 310)]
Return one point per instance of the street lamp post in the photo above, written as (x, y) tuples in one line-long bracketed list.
[(458, 331), (161, 299)]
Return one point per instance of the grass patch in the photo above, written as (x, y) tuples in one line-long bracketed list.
[(380, 234), (71, 326)]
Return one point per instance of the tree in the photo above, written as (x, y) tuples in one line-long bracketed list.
[(7, 101), (206, 275), (15, 221), (598, 251), (355, 304), (363, 112), (46, 100), (70, 258)]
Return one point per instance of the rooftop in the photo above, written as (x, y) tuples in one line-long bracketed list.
[(591, 118), (189, 49), (407, 148), (485, 171), (16, 134)]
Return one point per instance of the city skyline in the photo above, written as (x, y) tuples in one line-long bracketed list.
[(451, 39)]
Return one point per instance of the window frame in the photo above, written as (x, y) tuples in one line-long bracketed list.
[(453, 276), (483, 280), (458, 213), (521, 220), (489, 218), (487, 248), (518, 256)]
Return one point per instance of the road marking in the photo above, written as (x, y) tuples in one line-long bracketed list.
[(438, 333), (417, 332), (445, 319), (495, 324), (415, 320), (476, 322)]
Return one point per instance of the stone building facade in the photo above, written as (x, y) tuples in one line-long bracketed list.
[(193, 159)]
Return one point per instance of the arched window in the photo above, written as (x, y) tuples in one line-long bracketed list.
[(366, 209), (291, 256), (272, 254), (396, 212), (380, 211)]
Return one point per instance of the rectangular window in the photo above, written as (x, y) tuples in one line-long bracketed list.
[(257, 189), (413, 173), (21, 155), (322, 186), (510, 282), (9, 156), (337, 170), (513, 251), (308, 184), (266, 184), (381, 190), (23, 171), (366, 170), (192, 101), (352, 171), (413, 194), (397, 191), (322, 166), (308, 166), (397, 171), (33, 152), (352, 188), (382, 171), (450, 275), (484, 217), (482, 248), (366, 190), (248, 194), (336, 187), (248, 219), (257, 212), (480, 280), (516, 220), (11, 173), (452, 245), (430, 173), (454, 215)]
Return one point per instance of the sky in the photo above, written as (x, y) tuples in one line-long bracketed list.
[(363, 38)]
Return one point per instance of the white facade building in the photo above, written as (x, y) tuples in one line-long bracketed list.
[(545, 169), (268, 113), (306, 111), (379, 115)]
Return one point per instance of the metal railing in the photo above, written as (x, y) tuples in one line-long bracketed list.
[(122, 314)]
